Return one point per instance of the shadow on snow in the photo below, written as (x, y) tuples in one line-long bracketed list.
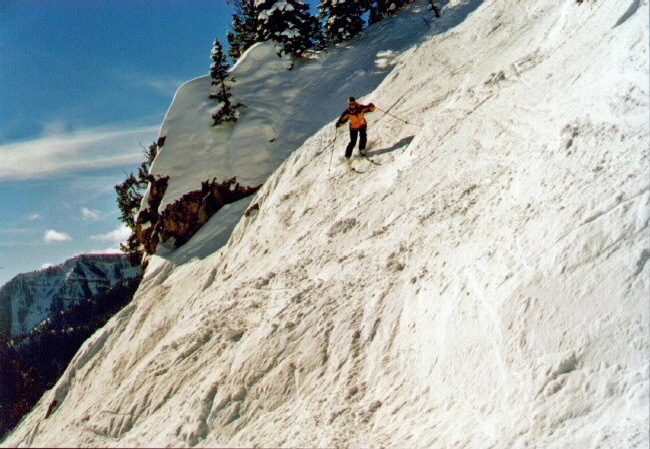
[(401, 144)]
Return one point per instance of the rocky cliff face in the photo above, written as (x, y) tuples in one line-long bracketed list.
[(180, 220), (29, 298)]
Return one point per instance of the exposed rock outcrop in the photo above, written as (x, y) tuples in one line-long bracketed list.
[(148, 217), (180, 220)]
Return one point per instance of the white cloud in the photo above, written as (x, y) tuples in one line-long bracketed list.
[(164, 85), (46, 265), (34, 216), (55, 236), (115, 249), (89, 214), (55, 127), (118, 235), (65, 152)]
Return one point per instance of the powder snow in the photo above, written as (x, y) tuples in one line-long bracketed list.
[(485, 286)]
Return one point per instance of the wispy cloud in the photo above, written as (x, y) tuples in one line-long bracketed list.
[(22, 231), (33, 216), (51, 236), (5, 244), (89, 214), (165, 87), (118, 235), (55, 127), (115, 249), (113, 238), (162, 84), (65, 152)]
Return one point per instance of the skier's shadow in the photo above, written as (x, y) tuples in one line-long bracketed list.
[(401, 144)]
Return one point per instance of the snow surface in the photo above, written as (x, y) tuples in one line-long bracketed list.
[(485, 287)]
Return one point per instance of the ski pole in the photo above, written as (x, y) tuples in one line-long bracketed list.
[(332, 152), (400, 119)]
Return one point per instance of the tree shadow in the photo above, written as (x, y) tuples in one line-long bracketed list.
[(401, 144)]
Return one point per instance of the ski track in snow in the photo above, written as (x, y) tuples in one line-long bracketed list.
[(486, 286)]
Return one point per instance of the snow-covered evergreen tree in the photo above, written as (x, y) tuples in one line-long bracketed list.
[(289, 23), (382, 8), (227, 111), (244, 28), (342, 18)]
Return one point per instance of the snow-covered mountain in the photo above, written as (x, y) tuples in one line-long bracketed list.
[(29, 298), (485, 286)]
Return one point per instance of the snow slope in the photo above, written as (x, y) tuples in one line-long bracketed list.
[(486, 286), (283, 108)]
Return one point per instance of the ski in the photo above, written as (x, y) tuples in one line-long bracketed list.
[(369, 159)]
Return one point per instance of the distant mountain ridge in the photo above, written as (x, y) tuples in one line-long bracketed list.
[(30, 297)]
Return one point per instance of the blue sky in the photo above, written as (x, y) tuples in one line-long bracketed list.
[(84, 83)]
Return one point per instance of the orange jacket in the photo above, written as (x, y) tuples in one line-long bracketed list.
[(355, 113)]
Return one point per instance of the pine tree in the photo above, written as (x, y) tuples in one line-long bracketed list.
[(219, 73), (244, 28), (383, 8), (289, 23), (129, 197), (342, 18)]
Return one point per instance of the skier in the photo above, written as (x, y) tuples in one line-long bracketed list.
[(358, 125)]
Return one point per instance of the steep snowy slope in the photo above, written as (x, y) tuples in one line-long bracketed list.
[(283, 108), (28, 298), (486, 286)]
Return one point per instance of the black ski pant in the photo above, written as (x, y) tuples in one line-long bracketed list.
[(353, 140)]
